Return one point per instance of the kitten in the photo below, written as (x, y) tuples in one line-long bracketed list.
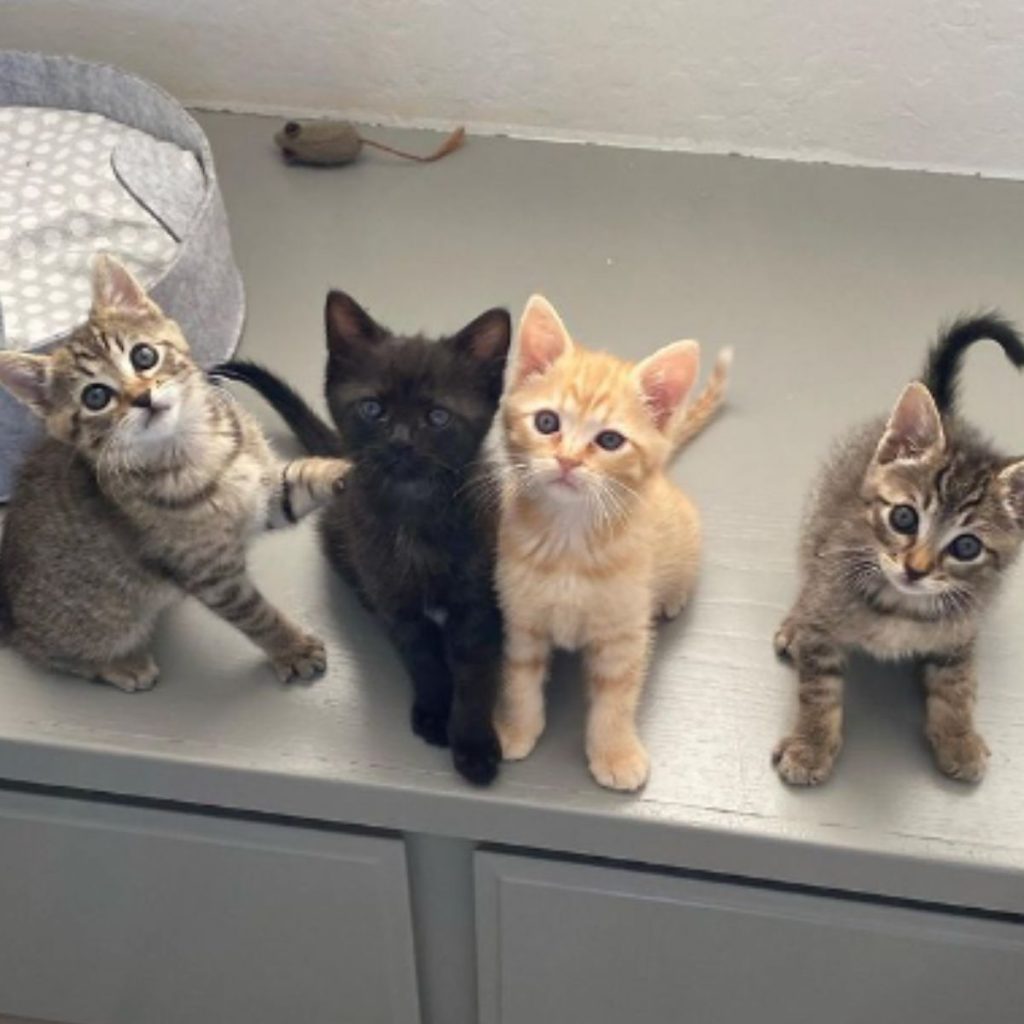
[(594, 540), (410, 532), (913, 524), (150, 484)]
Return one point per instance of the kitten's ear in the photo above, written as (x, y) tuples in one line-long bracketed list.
[(541, 340), (487, 338), (1011, 487), (914, 431), (349, 327), (115, 290), (27, 377), (666, 378)]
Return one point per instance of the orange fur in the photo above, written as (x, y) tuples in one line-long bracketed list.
[(696, 415), (593, 544)]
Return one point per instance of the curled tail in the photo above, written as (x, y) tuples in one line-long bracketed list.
[(942, 369), (699, 413), (315, 435)]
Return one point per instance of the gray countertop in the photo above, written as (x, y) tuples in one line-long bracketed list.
[(828, 282)]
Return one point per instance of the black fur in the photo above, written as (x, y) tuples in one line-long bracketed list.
[(317, 437), (409, 531), (942, 370)]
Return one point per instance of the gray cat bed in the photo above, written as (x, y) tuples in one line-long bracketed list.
[(91, 159)]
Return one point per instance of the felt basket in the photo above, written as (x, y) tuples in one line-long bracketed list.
[(93, 158)]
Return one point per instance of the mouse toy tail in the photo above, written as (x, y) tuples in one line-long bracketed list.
[(449, 145)]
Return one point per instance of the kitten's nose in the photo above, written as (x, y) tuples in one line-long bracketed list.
[(400, 432), (144, 400), (566, 464), (917, 564)]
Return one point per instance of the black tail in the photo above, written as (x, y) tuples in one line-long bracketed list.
[(6, 620), (315, 435), (942, 369)]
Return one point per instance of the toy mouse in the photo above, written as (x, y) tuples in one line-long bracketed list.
[(331, 143)]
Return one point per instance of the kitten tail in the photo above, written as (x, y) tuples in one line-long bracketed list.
[(313, 433), (701, 411), (5, 616), (942, 369)]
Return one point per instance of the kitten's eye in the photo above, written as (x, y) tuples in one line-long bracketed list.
[(609, 440), (96, 397), (965, 548), (903, 519), (371, 409), (546, 421), (144, 357), (438, 417)]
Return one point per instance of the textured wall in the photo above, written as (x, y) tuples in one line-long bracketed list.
[(932, 83)]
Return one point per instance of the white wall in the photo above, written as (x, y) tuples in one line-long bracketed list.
[(924, 83)]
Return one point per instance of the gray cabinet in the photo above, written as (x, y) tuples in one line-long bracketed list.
[(565, 942), (114, 915)]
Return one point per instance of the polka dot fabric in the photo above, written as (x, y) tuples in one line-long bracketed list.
[(60, 202)]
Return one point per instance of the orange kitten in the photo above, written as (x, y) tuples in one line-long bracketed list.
[(594, 540)]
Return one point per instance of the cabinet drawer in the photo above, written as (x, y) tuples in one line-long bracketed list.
[(564, 942), (115, 915)]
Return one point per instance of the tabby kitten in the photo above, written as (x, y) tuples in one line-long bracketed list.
[(914, 522), (150, 484), (409, 531), (594, 540)]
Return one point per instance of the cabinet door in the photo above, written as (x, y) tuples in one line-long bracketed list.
[(116, 915), (561, 942)]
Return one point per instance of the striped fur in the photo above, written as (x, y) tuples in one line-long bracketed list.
[(594, 543), (904, 593), (696, 415), (124, 508)]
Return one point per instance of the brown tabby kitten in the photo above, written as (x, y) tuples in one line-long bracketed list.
[(150, 483), (914, 523)]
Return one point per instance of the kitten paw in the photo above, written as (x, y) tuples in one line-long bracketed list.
[(518, 738), (476, 759), (430, 723), (342, 468), (624, 766), (672, 610), (305, 659), (964, 758), (801, 763), (132, 675), (783, 641)]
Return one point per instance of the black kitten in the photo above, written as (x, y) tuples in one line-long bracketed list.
[(408, 531)]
